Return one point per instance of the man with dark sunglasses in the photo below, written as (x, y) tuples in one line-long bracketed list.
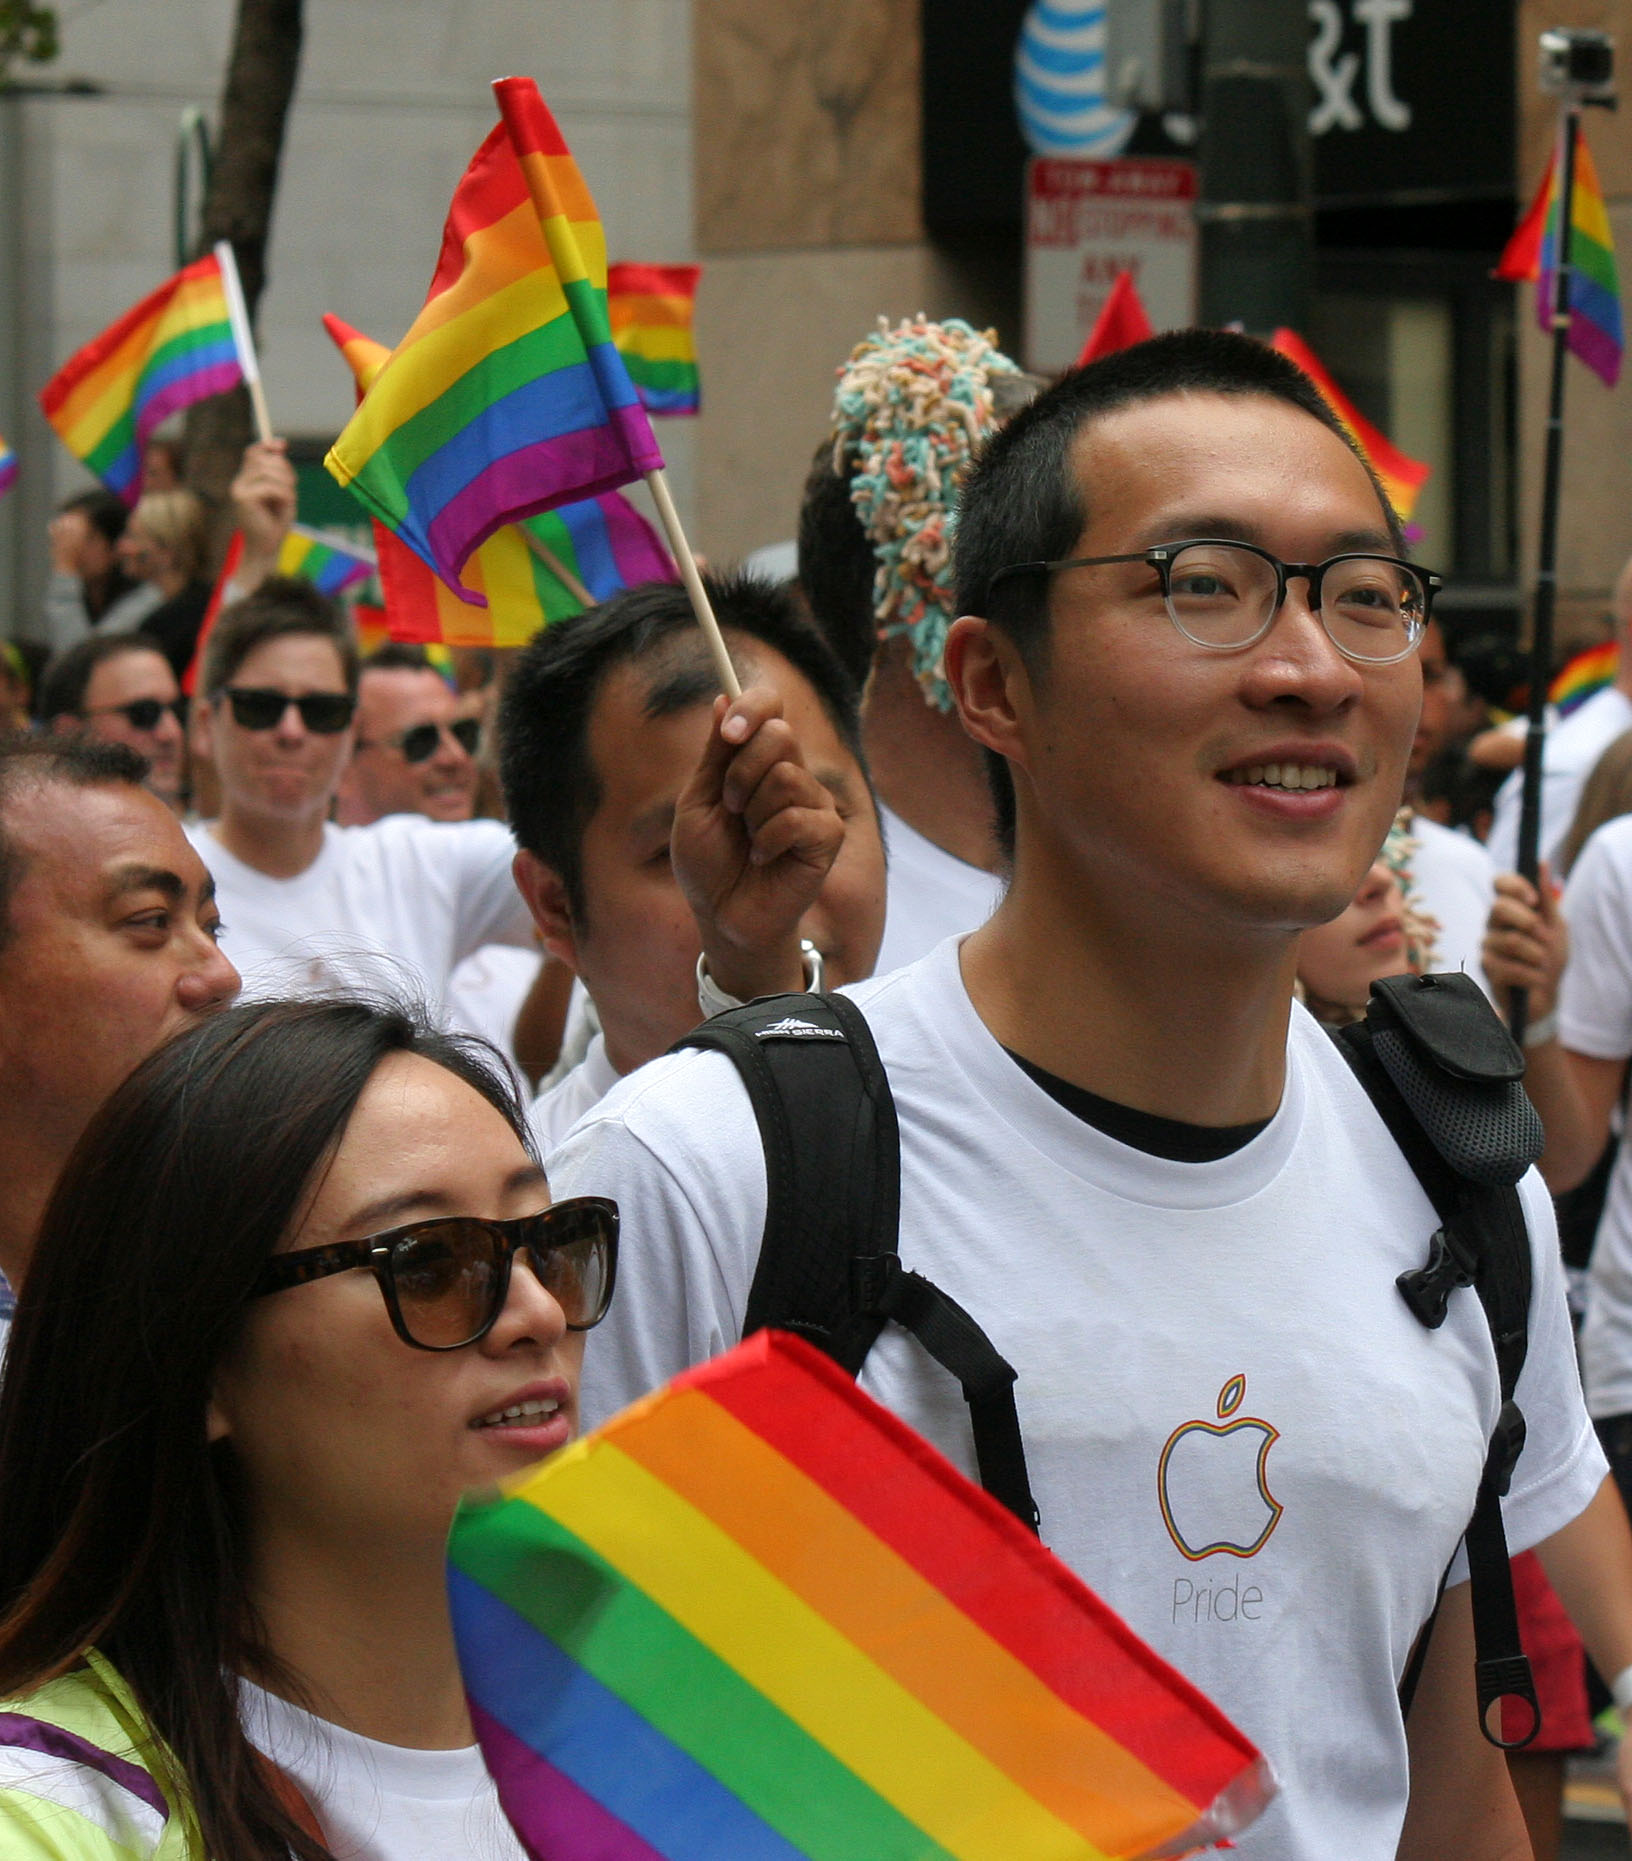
[(308, 904), (414, 753), (118, 688), (1186, 640)]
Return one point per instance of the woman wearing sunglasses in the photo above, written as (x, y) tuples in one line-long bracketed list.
[(300, 1287)]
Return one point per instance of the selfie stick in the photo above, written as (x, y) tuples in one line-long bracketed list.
[(1556, 49)]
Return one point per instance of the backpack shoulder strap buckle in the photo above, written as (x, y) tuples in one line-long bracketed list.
[(1506, 1444), (1427, 1289)]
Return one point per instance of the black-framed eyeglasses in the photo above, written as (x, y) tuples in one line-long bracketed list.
[(261, 707), (1224, 595), (420, 742), (445, 1281), (143, 713)]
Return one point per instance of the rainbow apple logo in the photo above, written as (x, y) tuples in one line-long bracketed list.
[(1211, 1483)]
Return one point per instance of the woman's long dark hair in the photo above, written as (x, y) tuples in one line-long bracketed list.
[(121, 1524)]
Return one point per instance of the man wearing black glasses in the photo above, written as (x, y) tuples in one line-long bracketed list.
[(413, 752), (1188, 646), (118, 688), (308, 904)]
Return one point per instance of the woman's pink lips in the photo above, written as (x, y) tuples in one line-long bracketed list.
[(1385, 936)]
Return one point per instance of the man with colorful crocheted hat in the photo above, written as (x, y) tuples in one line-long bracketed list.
[(913, 405)]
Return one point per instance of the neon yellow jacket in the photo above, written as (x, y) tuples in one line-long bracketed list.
[(84, 1778)]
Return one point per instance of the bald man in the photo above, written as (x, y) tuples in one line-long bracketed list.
[(1571, 752)]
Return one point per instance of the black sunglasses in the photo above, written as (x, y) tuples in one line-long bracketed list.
[(143, 713), (256, 707), (445, 1281), (420, 743)]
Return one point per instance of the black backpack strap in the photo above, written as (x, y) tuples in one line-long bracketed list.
[(1444, 1075), (829, 1266)]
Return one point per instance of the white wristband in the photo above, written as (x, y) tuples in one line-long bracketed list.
[(1538, 1033), (713, 1000), (1620, 1689)]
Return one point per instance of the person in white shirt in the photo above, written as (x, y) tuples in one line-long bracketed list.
[(620, 785), (108, 947), (1570, 753), (308, 905), (1186, 645), (229, 1540), (912, 405)]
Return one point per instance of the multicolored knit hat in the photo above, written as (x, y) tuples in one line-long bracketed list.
[(913, 404), (1421, 930)]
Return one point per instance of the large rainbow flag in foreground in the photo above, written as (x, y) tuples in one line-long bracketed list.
[(173, 348), (756, 1616), (1595, 333), (649, 309), (603, 543), (1402, 477), (507, 396)]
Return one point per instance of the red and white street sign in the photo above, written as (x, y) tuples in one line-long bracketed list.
[(1088, 220)]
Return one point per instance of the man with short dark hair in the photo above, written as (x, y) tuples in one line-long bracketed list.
[(649, 839), (107, 947), (308, 904), (414, 750), (1186, 647), (118, 688)]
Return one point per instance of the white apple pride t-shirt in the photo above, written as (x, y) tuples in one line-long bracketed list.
[(1237, 1432)]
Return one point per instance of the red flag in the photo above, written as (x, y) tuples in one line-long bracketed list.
[(1521, 256), (1402, 476), (229, 568), (1120, 324)]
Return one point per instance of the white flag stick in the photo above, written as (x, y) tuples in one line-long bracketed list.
[(243, 339), (680, 549)]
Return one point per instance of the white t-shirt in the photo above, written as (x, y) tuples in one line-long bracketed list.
[(1237, 1432), (1453, 880), (393, 906), (1568, 758), (1595, 1018), (382, 1802), (485, 993), (929, 895), (559, 1107)]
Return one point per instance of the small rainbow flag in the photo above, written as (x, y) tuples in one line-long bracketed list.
[(755, 1615), (1402, 476), (1595, 333), (1585, 675), (330, 562), (507, 396), (8, 468), (603, 543), (649, 308), (173, 348)]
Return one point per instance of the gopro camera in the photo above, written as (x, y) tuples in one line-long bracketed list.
[(1578, 63)]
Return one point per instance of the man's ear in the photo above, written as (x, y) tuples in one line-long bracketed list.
[(546, 894), (990, 686)]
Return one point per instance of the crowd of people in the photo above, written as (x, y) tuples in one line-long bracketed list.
[(1105, 752)]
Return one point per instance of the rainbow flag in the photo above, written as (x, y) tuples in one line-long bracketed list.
[(649, 308), (173, 348), (331, 562), (1585, 675), (1596, 334), (1402, 476), (755, 1615), (603, 543), (507, 396), (8, 468)]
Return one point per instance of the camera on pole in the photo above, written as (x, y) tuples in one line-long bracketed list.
[(1579, 65)]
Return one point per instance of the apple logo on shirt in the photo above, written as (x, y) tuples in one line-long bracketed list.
[(1211, 1481)]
